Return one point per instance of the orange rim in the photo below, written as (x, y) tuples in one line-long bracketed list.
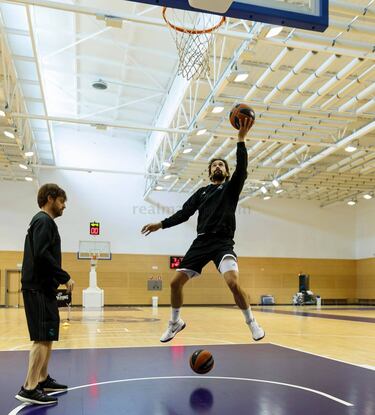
[(192, 32)]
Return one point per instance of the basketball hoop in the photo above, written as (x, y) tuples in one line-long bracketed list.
[(193, 34)]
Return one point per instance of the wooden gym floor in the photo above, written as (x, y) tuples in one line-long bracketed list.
[(340, 332)]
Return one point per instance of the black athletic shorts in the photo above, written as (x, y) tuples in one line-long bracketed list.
[(42, 315), (206, 248)]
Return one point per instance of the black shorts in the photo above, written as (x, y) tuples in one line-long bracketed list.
[(42, 315), (206, 248)]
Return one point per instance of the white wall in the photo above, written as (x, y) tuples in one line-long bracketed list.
[(17, 206), (365, 236), (296, 228), (273, 228)]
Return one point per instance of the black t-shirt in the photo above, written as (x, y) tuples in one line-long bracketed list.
[(41, 267), (216, 203)]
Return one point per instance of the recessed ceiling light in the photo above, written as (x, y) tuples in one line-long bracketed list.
[(202, 131), (350, 148), (275, 182), (267, 198), (351, 203), (29, 179), (22, 166), (274, 31), (167, 176), (367, 196), (9, 134), (241, 77), (159, 187), (187, 150), (29, 154), (218, 109), (2, 113), (263, 189), (279, 190), (166, 164)]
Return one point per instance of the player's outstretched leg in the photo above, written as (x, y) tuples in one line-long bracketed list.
[(242, 300), (176, 324)]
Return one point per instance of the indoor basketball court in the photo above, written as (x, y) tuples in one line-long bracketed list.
[(123, 104)]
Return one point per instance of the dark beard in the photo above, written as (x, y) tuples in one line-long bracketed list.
[(56, 212), (218, 176)]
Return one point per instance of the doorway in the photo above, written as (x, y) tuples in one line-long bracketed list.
[(13, 294)]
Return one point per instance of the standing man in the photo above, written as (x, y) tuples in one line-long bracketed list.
[(216, 204), (41, 276)]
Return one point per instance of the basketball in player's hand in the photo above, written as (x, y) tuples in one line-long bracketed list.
[(240, 111), (201, 361)]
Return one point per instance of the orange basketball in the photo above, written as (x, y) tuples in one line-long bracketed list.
[(201, 361), (240, 111)]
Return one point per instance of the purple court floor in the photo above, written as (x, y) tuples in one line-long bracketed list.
[(256, 379)]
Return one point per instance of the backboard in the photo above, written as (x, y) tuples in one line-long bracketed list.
[(302, 14), (94, 250)]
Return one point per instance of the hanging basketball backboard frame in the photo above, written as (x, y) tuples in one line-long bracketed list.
[(275, 12), (94, 250)]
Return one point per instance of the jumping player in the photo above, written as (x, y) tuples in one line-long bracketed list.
[(216, 204)]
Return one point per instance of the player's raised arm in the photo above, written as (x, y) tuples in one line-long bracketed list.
[(188, 209), (240, 174), (245, 125)]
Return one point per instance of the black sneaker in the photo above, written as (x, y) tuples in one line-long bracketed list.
[(35, 396), (50, 385)]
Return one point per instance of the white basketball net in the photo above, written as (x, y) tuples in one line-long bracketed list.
[(193, 34)]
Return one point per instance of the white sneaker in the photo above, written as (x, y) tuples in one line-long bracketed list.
[(257, 331), (172, 330)]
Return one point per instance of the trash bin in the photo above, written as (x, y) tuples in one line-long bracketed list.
[(155, 301), (318, 301)]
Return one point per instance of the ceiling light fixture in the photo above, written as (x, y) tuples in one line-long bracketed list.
[(166, 164), (2, 113), (202, 131), (352, 202), (368, 196), (29, 179), (350, 148), (167, 176), (159, 187), (263, 189), (29, 154), (100, 84), (217, 109), (279, 191), (275, 182), (241, 77), (23, 166), (267, 198), (274, 31), (9, 134), (187, 150)]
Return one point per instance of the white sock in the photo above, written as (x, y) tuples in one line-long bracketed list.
[(175, 314), (248, 315)]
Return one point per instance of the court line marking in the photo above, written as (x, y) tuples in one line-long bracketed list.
[(217, 342), (289, 385), (368, 367), (324, 357)]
